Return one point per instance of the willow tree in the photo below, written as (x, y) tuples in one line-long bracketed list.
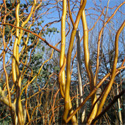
[(93, 77), (33, 82)]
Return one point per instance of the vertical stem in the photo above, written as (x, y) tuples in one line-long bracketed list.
[(15, 71), (79, 74), (77, 101), (67, 92), (119, 107), (62, 63), (88, 66), (62, 52), (79, 65)]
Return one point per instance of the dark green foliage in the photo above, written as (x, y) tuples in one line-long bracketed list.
[(51, 30)]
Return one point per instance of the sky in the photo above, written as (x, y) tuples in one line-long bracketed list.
[(53, 39), (89, 4)]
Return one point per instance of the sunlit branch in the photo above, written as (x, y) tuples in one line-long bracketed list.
[(33, 34), (92, 92), (113, 71)]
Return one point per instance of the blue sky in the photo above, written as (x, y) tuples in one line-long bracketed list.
[(53, 39), (89, 4)]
